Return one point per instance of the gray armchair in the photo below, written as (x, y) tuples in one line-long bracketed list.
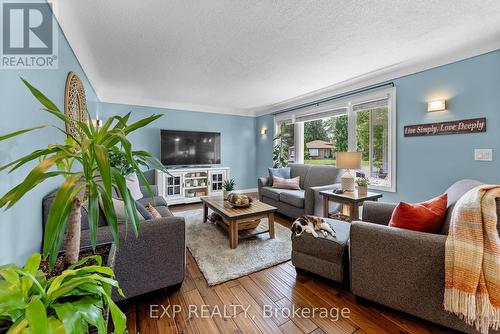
[(307, 200), (155, 260), (400, 268)]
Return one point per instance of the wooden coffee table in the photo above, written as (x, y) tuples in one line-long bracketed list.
[(239, 219)]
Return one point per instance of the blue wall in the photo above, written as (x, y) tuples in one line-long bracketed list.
[(238, 150), (20, 226), (264, 144), (426, 166)]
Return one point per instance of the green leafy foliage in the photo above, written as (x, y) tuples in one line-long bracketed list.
[(281, 145), (340, 133), (229, 185), (85, 162), (362, 181), (315, 130), (118, 160), (280, 156), (64, 304)]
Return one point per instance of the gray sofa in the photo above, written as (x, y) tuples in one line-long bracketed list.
[(404, 269), (294, 203), (153, 261)]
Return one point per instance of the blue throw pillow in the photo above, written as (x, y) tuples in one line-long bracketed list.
[(284, 173)]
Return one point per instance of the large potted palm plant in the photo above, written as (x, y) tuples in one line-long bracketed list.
[(89, 178), (83, 162)]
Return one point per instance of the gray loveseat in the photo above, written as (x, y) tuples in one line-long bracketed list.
[(307, 200), (404, 269), (153, 261)]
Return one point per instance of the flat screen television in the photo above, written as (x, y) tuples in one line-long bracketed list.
[(187, 148)]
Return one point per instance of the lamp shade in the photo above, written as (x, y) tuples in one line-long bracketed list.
[(348, 160)]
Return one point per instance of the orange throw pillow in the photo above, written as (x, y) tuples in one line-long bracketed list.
[(427, 216)]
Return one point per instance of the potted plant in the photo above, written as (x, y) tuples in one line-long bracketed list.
[(362, 183), (83, 160), (228, 186), (72, 302)]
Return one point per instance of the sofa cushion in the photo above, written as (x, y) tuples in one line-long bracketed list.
[(322, 175), (427, 216), (299, 170), (156, 201), (295, 198), (327, 248), (284, 173), (270, 192), (163, 211)]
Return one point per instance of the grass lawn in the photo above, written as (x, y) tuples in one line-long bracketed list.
[(329, 162)]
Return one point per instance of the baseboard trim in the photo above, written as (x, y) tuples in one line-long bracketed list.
[(241, 191)]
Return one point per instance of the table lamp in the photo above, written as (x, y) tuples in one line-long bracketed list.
[(348, 161)]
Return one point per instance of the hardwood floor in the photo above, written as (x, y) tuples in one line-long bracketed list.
[(278, 288)]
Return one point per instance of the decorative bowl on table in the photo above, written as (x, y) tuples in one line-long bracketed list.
[(239, 201)]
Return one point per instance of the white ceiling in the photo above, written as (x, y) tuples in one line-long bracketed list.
[(251, 57)]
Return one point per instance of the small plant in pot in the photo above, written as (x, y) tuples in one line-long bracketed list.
[(83, 163), (228, 186), (362, 183)]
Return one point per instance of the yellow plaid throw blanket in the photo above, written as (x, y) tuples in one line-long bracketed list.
[(472, 260)]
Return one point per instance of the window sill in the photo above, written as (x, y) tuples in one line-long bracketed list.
[(382, 188)]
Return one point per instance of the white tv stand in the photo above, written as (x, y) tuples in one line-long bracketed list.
[(187, 185)]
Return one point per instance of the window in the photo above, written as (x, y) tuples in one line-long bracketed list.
[(314, 152), (364, 123), (372, 140), (322, 137), (284, 151)]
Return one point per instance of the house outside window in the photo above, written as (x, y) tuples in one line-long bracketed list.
[(364, 123)]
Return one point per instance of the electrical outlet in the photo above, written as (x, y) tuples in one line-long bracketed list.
[(483, 154)]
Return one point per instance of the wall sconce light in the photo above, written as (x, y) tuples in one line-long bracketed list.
[(263, 131), (436, 105)]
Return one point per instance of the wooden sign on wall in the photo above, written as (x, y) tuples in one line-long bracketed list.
[(446, 128)]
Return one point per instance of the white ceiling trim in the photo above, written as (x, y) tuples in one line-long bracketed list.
[(137, 101), (381, 76)]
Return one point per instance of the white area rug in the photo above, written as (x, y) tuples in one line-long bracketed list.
[(209, 245)]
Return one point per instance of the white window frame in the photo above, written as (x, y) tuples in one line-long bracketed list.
[(389, 93), (348, 103)]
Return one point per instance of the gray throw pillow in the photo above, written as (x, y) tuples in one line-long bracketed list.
[(284, 173)]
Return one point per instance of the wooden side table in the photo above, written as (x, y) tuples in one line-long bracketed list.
[(350, 201)]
